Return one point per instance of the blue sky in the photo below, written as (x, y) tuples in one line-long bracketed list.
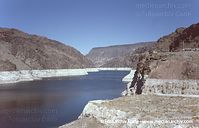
[(85, 24)]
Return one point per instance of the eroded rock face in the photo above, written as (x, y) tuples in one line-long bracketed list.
[(27, 52)]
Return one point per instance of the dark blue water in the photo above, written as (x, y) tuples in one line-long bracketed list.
[(56, 101)]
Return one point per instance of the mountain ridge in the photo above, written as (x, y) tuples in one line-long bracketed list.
[(110, 56)]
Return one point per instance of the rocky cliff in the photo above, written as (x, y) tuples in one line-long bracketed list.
[(115, 56), (22, 51)]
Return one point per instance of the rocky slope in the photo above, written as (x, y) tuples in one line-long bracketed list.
[(163, 44), (189, 38), (114, 56), (177, 65), (22, 51)]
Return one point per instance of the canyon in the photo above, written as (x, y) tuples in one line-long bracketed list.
[(170, 93)]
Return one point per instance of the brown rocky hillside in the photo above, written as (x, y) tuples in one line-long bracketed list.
[(188, 38), (181, 38), (22, 51)]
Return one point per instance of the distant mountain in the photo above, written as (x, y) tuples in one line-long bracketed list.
[(20, 51), (114, 56)]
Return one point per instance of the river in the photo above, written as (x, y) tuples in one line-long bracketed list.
[(53, 102)]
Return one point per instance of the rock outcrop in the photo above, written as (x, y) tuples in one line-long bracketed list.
[(22, 51)]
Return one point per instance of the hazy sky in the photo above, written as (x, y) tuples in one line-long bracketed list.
[(85, 24)]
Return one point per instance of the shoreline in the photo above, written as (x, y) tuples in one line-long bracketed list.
[(10, 77), (129, 77), (115, 69)]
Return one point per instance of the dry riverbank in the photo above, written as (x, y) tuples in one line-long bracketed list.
[(29, 75)]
